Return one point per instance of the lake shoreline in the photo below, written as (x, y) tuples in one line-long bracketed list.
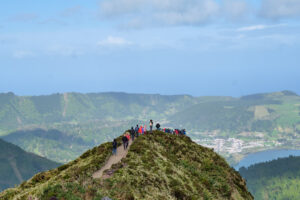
[(265, 156)]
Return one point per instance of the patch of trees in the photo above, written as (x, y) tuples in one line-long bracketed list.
[(277, 179)]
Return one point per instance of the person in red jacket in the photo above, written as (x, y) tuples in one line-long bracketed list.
[(128, 136), (141, 130), (128, 139)]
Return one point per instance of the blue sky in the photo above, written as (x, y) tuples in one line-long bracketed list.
[(197, 47)]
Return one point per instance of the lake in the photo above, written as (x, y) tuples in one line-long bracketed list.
[(265, 156)]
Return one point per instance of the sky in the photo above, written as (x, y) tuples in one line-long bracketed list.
[(196, 47)]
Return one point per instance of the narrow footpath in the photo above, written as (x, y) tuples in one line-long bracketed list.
[(114, 159)]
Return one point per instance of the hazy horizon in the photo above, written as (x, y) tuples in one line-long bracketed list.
[(197, 47), (103, 92)]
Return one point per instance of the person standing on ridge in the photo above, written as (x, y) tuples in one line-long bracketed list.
[(158, 126), (128, 139), (151, 125), (140, 130), (132, 133), (137, 130), (115, 145), (125, 141)]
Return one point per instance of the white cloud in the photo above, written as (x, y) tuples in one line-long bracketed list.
[(23, 54), (252, 28), (194, 12), (169, 12), (235, 9), (259, 27), (277, 9), (114, 41)]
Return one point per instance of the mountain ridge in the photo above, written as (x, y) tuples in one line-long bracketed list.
[(268, 122), (157, 166)]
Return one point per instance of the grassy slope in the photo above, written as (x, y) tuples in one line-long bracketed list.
[(158, 166), (27, 164), (278, 179)]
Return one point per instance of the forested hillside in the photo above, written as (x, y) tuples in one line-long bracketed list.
[(17, 165), (50, 144), (233, 126), (278, 179)]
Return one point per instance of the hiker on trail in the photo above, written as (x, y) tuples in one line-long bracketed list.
[(143, 130), (151, 125), (137, 130), (128, 138), (125, 141), (158, 126), (132, 133), (140, 130), (115, 145)]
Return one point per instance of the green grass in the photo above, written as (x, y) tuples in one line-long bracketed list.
[(158, 166)]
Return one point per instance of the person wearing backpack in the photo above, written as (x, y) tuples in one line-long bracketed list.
[(151, 125), (115, 145), (125, 141), (137, 130), (132, 133), (158, 126)]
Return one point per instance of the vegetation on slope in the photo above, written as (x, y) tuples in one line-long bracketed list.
[(278, 179), (19, 111), (158, 166), (272, 120), (52, 144), (17, 165)]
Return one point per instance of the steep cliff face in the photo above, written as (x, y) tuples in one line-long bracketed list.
[(156, 166)]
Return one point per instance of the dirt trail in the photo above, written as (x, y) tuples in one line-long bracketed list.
[(114, 159), (13, 164)]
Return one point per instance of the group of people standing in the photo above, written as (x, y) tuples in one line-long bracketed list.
[(141, 130), (175, 131)]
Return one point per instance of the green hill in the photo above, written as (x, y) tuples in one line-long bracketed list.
[(278, 179), (257, 122), (17, 165), (157, 166), (49, 143)]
